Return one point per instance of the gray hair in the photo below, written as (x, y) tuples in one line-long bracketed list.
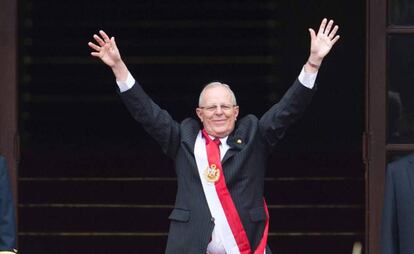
[(217, 84)]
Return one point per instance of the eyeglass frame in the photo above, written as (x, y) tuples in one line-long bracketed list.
[(214, 108)]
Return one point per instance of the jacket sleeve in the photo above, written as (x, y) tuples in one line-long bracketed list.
[(288, 110), (7, 212), (389, 220), (156, 121)]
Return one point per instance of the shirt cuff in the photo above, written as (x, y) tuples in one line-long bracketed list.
[(307, 79), (127, 84)]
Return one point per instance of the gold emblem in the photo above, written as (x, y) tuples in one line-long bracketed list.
[(212, 173)]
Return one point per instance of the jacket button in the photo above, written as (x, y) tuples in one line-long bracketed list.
[(212, 219)]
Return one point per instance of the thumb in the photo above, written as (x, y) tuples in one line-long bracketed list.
[(312, 33), (113, 41)]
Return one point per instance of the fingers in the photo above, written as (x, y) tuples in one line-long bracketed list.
[(104, 36), (333, 32), (94, 46), (325, 28), (322, 26), (99, 40), (335, 39), (95, 54), (113, 42), (102, 42), (328, 27)]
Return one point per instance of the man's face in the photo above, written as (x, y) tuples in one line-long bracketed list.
[(217, 111)]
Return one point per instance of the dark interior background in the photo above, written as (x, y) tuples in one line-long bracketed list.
[(91, 180)]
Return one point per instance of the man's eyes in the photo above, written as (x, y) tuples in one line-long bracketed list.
[(223, 107)]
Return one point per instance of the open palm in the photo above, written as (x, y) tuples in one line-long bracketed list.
[(323, 41), (105, 49)]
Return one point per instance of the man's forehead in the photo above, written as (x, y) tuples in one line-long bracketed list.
[(217, 93)]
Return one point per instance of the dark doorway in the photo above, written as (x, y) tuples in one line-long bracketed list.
[(91, 178)]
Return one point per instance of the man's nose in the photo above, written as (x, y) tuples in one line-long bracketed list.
[(219, 110)]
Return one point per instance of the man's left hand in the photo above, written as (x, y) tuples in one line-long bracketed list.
[(323, 41)]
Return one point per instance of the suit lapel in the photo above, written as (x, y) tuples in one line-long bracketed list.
[(236, 143), (189, 139)]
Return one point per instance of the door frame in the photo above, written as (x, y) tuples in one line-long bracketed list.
[(9, 141)]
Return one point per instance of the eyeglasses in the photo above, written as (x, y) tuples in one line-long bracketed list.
[(224, 107)]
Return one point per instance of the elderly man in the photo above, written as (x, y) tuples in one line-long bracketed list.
[(7, 220), (219, 207)]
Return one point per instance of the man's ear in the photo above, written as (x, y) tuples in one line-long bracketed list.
[(199, 113), (236, 111)]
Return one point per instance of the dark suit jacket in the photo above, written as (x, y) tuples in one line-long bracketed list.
[(397, 231), (243, 165), (7, 220)]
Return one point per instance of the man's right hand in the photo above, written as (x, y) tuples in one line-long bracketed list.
[(108, 52)]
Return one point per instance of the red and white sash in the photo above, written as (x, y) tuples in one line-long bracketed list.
[(228, 225)]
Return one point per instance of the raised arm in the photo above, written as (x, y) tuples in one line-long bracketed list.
[(157, 122), (288, 110), (105, 49), (320, 44)]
